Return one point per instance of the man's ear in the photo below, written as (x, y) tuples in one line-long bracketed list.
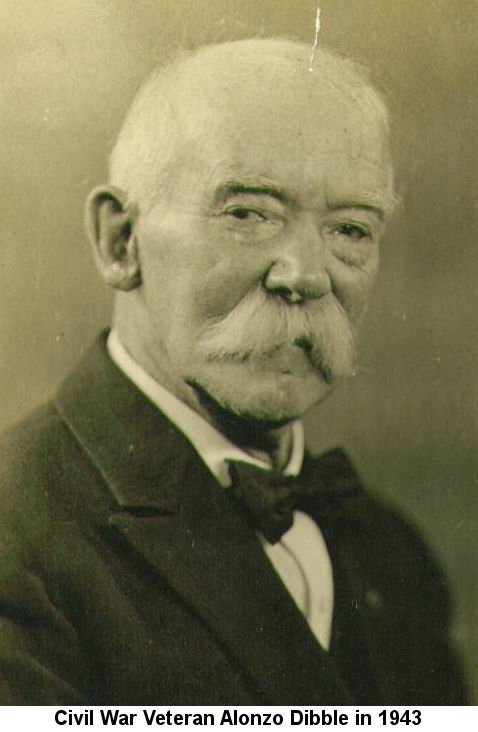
[(109, 220)]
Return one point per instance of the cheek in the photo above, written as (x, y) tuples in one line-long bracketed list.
[(221, 276), (352, 285), (195, 274), (227, 280)]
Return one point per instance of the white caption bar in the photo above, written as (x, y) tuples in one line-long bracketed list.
[(426, 719)]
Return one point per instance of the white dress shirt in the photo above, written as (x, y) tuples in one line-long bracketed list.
[(300, 558)]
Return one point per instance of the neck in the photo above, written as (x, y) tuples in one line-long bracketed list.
[(267, 440), (271, 442)]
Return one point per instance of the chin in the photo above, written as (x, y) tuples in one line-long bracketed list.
[(262, 397)]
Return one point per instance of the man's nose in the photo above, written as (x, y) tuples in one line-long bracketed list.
[(300, 270)]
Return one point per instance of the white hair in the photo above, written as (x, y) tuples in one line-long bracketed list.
[(150, 136)]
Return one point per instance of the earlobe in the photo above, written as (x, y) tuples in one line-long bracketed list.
[(109, 223)]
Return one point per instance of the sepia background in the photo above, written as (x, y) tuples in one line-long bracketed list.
[(410, 419)]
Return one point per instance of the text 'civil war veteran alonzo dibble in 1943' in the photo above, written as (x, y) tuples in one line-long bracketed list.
[(165, 540)]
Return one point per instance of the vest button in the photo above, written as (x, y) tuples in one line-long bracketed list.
[(373, 598)]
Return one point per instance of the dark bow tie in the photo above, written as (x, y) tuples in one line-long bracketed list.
[(268, 500)]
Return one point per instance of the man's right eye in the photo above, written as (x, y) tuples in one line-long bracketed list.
[(245, 214)]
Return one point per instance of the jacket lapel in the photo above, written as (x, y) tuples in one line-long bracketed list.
[(179, 520), (214, 561)]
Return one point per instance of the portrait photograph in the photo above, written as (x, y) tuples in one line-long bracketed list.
[(239, 353)]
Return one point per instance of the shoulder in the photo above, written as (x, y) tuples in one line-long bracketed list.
[(42, 469), (28, 457), (390, 538), (25, 446), (387, 576), (376, 536), (37, 449)]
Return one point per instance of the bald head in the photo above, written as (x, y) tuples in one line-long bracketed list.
[(199, 96)]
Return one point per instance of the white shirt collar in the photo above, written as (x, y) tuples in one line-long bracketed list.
[(212, 446)]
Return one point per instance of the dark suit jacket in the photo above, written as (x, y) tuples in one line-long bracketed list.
[(127, 576)]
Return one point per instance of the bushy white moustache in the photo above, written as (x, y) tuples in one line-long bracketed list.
[(261, 323)]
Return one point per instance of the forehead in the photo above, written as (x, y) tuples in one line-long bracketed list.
[(309, 134), (307, 152)]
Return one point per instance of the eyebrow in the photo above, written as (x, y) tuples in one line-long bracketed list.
[(339, 205), (235, 189)]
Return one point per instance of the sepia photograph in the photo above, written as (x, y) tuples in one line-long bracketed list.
[(239, 353)]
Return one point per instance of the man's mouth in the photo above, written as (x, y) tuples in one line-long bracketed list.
[(297, 359), (305, 343), (307, 346)]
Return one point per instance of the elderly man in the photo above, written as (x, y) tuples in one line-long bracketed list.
[(164, 538)]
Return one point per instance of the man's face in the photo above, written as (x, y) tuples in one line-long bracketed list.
[(257, 260)]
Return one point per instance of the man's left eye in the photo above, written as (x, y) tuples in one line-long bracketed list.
[(352, 231)]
